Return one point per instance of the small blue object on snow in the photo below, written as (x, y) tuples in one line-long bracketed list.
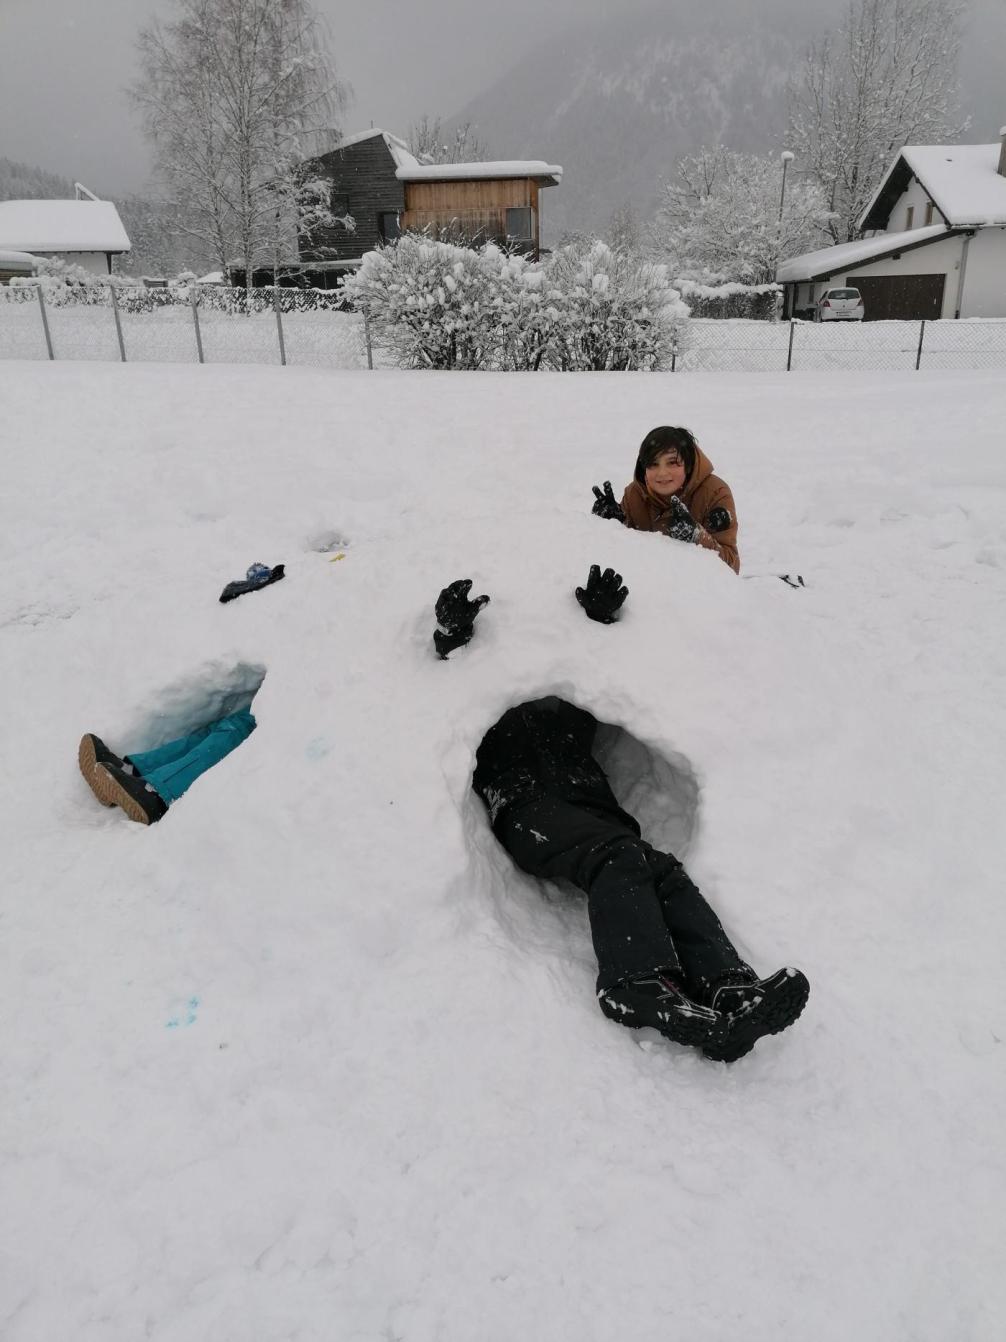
[(187, 1016), (257, 571)]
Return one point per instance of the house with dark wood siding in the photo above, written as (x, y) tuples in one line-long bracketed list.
[(382, 190)]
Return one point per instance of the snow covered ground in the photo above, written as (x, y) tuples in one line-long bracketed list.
[(310, 1059)]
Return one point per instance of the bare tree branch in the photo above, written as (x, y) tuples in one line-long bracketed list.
[(231, 93), (888, 78)]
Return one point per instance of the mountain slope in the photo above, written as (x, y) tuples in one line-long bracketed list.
[(619, 104)]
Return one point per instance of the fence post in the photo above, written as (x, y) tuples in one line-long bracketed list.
[(279, 324), (195, 322), (45, 322), (366, 336), (789, 351), (918, 352), (674, 356), (118, 323)]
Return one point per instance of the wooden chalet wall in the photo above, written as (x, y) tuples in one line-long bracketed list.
[(363, 177), (472, 211)]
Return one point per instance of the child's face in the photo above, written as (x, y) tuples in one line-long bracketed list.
[(667, 474)]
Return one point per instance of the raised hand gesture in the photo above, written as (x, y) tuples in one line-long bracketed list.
[(606, 505), (603, 595)]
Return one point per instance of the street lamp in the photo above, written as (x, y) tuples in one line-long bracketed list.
[(786, 158)]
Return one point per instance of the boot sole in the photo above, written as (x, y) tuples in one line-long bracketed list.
[(110, 792), (776, 1012), (696, 1032), (87, 760)]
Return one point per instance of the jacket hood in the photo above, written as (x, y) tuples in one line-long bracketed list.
[(702, 470)]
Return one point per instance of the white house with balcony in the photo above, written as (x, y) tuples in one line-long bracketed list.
[(85, 232), (936, 244)]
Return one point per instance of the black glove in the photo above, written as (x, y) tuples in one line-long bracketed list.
[(236, 589), (603, 594), (456, 616), (681, 525), (718, 520), (606, 505)]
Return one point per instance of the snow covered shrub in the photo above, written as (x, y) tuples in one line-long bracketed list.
[(612, 311), (51, 269), (758, 302), (435, 304), (521, 318), (428, 303), (67, 284)]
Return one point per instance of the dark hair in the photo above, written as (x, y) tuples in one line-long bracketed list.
[(666, 439)]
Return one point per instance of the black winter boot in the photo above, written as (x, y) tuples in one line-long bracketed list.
[(753, 1007), (91, 751), (114, 787), (657, 1001)]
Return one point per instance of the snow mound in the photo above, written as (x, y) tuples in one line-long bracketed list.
[(310, 1058)]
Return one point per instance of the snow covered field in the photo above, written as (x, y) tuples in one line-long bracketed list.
[(310, 1059)]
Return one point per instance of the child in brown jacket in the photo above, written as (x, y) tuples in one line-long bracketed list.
[(675, 491)]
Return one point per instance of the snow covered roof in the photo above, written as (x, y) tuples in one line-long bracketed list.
[(454, 172), (16, 260), (409, 169), (62, 226), (962, 179), (830, 260), (397, 147)]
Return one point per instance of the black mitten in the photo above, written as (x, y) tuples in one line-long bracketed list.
[(263, 578), (603, 595), (456, 616), (681, 525), (718, 520), (606, 505)]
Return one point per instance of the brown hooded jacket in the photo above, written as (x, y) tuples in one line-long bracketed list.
[(702, 492)]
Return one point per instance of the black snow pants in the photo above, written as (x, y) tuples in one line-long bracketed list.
[(645, 913)]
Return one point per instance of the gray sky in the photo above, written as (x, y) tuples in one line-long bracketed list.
[(63, 64)]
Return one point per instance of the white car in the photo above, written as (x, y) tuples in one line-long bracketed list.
[(840, 305)]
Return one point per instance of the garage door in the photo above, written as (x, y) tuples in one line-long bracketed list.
[(900, 297)]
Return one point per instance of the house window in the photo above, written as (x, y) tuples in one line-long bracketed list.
[(909, 216), (518, 223), (388, 226), (929, 211)]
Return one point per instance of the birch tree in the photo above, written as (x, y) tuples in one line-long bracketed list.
[(719, 218), (235, 95), (432, 144), (887, 78)]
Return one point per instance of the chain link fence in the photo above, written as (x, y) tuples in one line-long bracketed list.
[(311, 327), (798, 346), (185, 324)]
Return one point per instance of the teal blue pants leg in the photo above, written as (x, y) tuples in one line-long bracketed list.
[(171, 769)]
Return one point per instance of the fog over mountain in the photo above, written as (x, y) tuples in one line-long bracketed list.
[(618, 103), (615, 100)]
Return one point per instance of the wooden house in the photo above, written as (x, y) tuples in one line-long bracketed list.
[(936, 244), (383, 189)]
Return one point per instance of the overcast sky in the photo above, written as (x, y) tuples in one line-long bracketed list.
[(63, 64)]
